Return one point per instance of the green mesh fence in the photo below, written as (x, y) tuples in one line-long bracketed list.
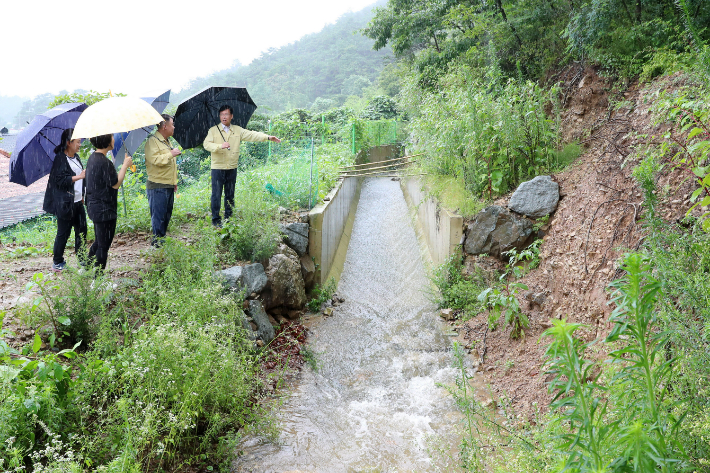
[(366, 134), (287, 170), (291, 173)]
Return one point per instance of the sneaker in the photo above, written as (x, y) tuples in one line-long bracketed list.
[(59, 266)]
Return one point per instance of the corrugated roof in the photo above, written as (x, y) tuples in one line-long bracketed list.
[(8, 142)]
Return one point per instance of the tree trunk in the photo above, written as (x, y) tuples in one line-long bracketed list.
[(628, 13), (499, 5), (436, 43)]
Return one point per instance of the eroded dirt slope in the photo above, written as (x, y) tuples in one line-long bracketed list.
[(597, 220)]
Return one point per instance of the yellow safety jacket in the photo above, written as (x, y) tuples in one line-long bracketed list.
[(223, 158), (159, 160)]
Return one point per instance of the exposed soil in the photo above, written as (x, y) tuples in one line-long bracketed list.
[(127, 258), (597, 220)]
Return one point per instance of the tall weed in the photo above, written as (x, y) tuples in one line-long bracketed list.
[(492, 138), (252, 233), (626, 425), (178, 383)]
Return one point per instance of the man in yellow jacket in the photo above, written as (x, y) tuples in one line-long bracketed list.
[(161, 165), (223, 142)]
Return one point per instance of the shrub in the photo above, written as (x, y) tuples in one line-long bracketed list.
[(252, 233), (492, 137), (457, 291), (178, 383), (67, 307)]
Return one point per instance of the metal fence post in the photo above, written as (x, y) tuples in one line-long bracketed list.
[(269, 153), (311, 200)]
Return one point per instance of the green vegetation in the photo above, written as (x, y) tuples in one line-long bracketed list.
[(457, 290), (613, 416), (638, 401), (165, 369), (253, 232), (489, 139), (530, 38), (321, 294)]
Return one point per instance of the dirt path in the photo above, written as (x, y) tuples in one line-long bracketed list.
[(126, 260)]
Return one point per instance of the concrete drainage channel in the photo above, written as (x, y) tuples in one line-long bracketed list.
[(373, 403), (331, 225)]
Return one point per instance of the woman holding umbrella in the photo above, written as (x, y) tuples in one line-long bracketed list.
[(65, 198), (102, 183)]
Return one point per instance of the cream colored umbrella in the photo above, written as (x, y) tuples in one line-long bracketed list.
[(115, 115)]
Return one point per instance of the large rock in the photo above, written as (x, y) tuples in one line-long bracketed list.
[(287, 287), (264, 329), (296, 236), (308, 271), (496, 230), (536, 198), (250, 277)]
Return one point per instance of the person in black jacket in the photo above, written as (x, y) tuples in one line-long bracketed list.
[(102, 183), (64, 198)]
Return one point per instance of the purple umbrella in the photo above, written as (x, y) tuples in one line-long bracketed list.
[(34, 149)]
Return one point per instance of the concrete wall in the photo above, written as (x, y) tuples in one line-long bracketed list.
[(442, 229), (331, 224)]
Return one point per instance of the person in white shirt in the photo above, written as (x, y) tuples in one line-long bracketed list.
[(64, 198)]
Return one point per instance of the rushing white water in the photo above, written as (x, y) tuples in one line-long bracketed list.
[(374, 401)]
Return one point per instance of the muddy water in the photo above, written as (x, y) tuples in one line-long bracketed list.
[(373, 405)]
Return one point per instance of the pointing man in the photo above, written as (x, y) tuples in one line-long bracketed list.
[(223, 142), (161, 166)]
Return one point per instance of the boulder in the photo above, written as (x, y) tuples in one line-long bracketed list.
[(287, 287), (250, 277), (286, 251), (296, 236), (536, 198), (264, 329), (308, 271), (496, 230)]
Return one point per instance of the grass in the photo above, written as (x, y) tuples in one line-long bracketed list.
[(460, 291), (166, 369), (452, 194)]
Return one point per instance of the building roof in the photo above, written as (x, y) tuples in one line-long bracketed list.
[(8, 142)]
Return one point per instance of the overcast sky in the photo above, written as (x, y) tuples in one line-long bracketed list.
[(141, 46)]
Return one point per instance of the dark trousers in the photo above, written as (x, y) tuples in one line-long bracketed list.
[(222, 179), (104, 236), (64, 228), (160, 202)]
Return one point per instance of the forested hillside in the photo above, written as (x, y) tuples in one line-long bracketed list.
[(332, 64)]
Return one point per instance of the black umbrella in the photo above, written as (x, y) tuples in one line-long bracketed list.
[(197, 114)]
